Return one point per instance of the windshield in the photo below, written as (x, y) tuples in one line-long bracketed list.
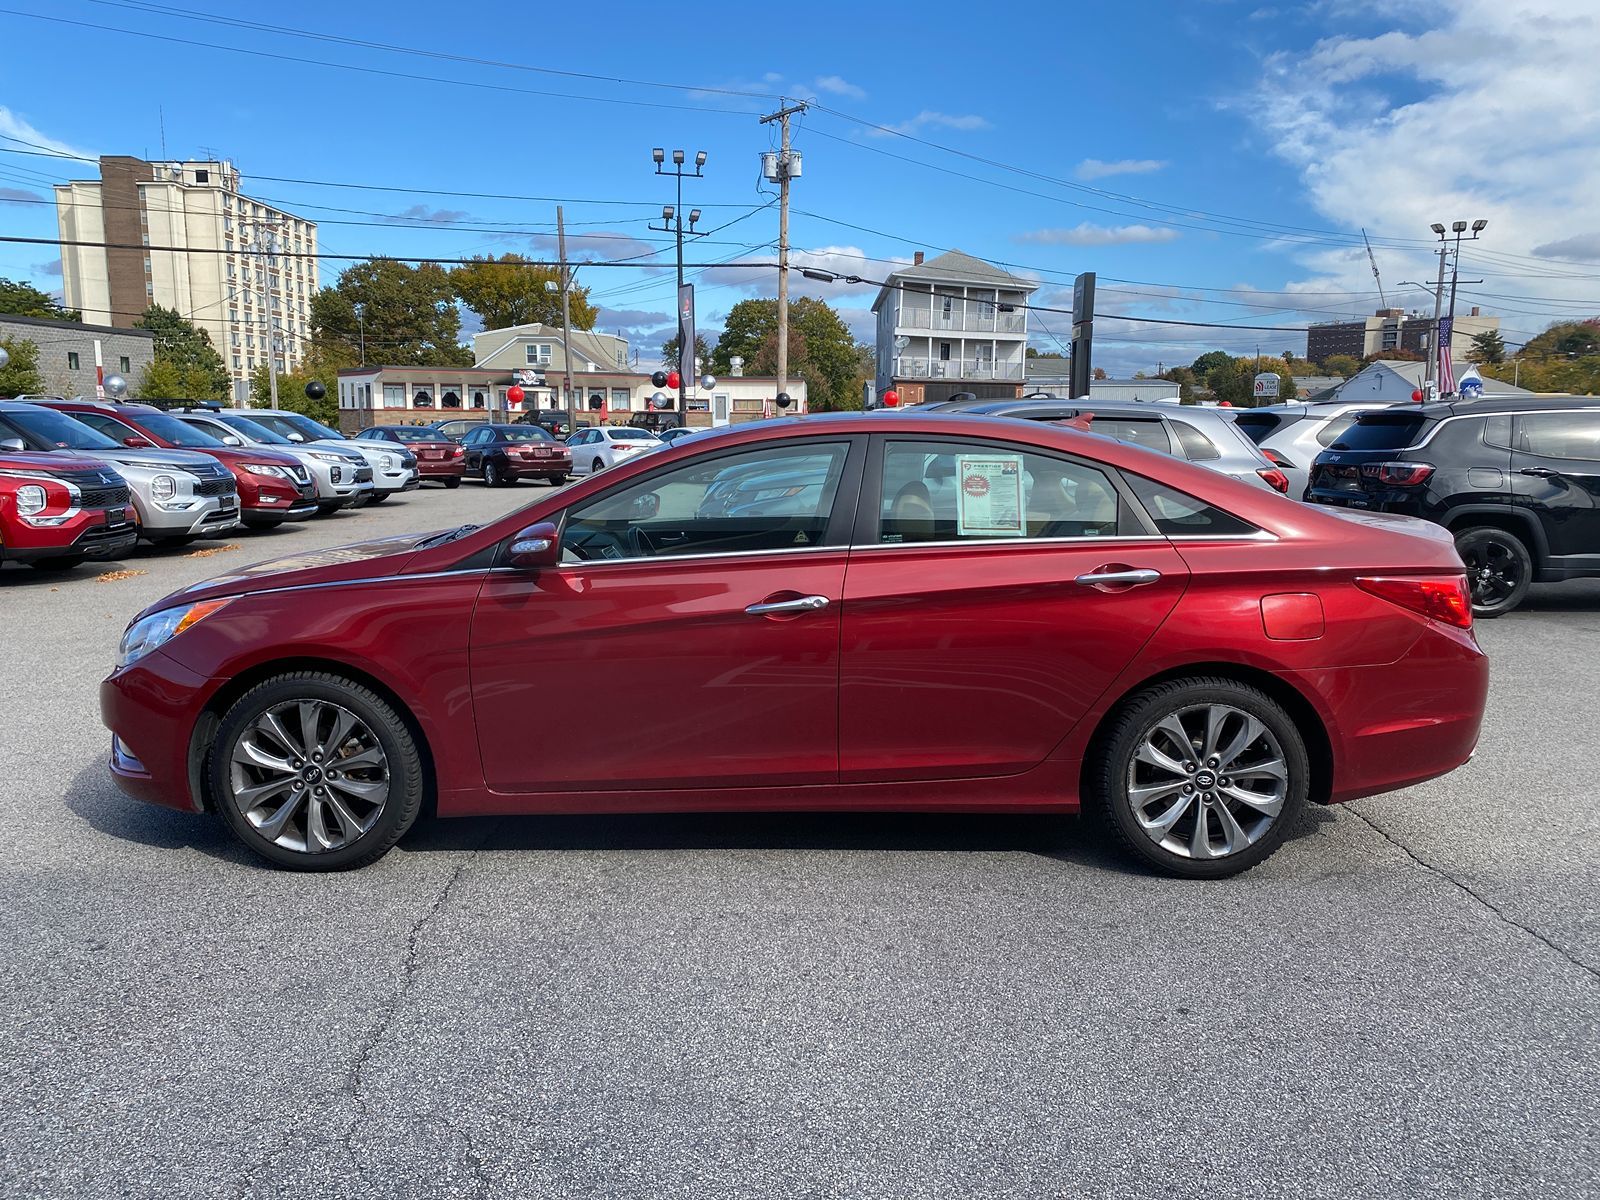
[(58, 430), (306, 426), (526, 433), (634, 435), (1380, 431), (253, 431), (170, 429)]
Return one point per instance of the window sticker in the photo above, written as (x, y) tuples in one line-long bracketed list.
[(989, 496)]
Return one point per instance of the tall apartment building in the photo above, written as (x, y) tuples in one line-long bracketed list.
[(182, 235), (1392, 329), (951, 324)]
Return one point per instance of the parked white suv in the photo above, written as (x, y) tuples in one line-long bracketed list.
[(1292, 435), (394, 468), (342, 477)]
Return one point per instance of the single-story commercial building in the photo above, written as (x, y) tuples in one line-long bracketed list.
[(69, 350)]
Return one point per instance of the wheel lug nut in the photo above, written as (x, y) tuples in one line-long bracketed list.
[(298, 786), (1188, 788), (296, 764)]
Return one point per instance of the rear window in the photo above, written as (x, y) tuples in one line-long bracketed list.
[(1197, 447), (1334, 428), (524, 433), (1260, 425), (1381, 431), (633, 435), (1148, 432)]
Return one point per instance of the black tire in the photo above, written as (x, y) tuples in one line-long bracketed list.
[(492, 475), (329, 507), (556, 480), (452, 484), (378, 497), (596, 467), (65, 562), (1499, 569), (399, 747), (1112, 761)]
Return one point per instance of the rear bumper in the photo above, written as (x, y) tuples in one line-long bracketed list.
[(447, 469), (1412, 720)]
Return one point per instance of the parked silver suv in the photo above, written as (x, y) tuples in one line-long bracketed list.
[(178, 495), (1292, 435)]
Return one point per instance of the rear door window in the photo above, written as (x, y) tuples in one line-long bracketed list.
[(1572, 436), (1178, 514)]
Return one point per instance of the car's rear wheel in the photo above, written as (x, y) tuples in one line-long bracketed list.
[(596, 465), (557, 480), (315, 772), (451, 483), (1499, 569), (1201, 777), (492, 475)]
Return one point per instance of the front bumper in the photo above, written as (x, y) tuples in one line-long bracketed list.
[(188, 516), (151, 708)]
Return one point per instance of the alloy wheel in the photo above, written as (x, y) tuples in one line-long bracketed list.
[(1207, 781), (309, 776), (1494, 572)]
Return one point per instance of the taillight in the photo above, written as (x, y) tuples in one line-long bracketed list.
[(1275, 477), (458, 452), (1442, 598), (1398, 474)]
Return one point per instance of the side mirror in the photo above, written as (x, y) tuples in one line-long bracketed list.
[(229, 439), (297, 437), (646, 506), (534, 547), (13, 445), (137, 442)]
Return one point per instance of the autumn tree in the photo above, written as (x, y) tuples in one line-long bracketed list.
[(407, 315), (509, 290), (322, 364), (1341, 364), (1234, 380), (702, 351)]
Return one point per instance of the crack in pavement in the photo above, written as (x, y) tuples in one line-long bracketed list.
[(1470, 891)]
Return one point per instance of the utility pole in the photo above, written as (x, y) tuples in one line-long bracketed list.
[(1438, 303), (785, 170), (267, 262), (361, 326), (1435, 342), (566, 314)]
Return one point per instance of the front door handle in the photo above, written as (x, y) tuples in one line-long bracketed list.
[(1130, 577), (802, 604), (1541, 472)]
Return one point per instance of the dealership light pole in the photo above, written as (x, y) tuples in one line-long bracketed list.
[(672, 222), (1436, 336)]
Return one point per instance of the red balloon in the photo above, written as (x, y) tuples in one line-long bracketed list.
[(1416, 396), (673, 380), (891, 399), (515, 394), (1224, 403)]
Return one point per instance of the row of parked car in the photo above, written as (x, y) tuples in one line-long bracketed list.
[(83, 479), (1516, 480)]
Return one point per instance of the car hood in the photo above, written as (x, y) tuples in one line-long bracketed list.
[(50, 462), (179, 459), (359, 560)]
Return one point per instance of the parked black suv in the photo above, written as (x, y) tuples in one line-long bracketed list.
[(1516, 480)]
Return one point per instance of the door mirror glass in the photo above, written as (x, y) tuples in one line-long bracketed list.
[(536, 546), (13, 445), (137, 442), (297, 437)]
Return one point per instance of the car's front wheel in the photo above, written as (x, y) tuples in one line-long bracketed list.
[(315, 772), (1201, 777), (1499, 569)]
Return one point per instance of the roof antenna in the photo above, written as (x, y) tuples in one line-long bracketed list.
[(161, 117), (1382, 300)]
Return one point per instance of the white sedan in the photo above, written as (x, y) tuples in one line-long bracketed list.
[(606, 446)]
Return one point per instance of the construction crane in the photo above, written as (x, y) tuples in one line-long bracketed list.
[(1371, 258)]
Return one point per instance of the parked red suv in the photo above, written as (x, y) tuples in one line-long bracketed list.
[(273, 487), (931, 613), (56, 510)]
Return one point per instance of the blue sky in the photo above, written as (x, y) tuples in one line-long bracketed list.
[(1212, 161)]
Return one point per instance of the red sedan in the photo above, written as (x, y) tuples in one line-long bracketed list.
[(938, 613), (438, 458)]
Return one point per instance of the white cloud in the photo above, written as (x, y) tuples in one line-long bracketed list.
[(1491, 112), (14, 125), (1086, 234), (1094, 168), (839, 87), (928, 119), (432, 216)]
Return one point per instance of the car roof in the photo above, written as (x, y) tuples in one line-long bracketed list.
[(1486, 406)]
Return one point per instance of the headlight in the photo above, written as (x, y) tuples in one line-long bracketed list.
[(263, 469), (30, 499), (154, 631), (388, 461), (328, 458), (163, 487)]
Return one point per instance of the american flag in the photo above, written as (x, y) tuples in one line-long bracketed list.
[(1447, 376)]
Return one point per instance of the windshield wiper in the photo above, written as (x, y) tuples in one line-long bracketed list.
[(440, 539)]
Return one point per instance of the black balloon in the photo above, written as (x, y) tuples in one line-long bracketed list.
[(659, 379), (783, 400), (315, 391)]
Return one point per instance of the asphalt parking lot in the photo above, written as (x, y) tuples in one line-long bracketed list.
[(1405, 1000)]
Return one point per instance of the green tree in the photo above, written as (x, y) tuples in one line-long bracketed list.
[(321, 364), (24, 300), (1234, 381), (1209, 361), (822, 350), (1569, 339), (508, 291), (184, 357), (1488, 347), (1341, 364), (20, 376), (669, 353), (409, 315)]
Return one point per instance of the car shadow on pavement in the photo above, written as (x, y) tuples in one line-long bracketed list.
[(1070, 840)]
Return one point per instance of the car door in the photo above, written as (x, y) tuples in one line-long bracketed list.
[(1555, 475), (474, 443), (682, 645), (577, 443), (974, 640)]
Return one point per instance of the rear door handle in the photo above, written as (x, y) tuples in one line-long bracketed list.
[(1541, 472), (802, 604), (1133, 577)]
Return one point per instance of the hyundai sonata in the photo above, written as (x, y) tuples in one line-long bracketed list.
[(944, 612)]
